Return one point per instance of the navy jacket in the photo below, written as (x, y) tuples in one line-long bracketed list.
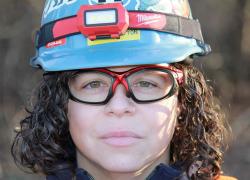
[(161, 172)]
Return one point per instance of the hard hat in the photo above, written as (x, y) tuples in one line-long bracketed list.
[(78, 34)]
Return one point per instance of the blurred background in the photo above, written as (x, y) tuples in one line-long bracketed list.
[(226, 26)]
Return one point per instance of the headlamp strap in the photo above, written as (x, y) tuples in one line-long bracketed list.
[(178, 25)]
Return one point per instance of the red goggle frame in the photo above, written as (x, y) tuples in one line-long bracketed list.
[(177, 73)]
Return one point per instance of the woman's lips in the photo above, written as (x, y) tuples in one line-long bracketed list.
[(120, 138)]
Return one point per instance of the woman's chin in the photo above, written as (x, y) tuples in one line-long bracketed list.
[(122, 166)]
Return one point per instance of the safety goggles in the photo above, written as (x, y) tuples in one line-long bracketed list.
[(144, 84)]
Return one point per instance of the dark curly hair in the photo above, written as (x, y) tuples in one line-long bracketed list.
[(44, 144)]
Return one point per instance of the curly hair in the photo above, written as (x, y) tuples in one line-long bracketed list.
[(44, 144), (202, 131)]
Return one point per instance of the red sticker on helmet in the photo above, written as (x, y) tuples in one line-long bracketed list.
[(175, 7), (56, 43)]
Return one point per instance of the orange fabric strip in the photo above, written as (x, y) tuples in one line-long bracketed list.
[(226, 178)]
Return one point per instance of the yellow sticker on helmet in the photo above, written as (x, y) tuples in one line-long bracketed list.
[(130, 35)]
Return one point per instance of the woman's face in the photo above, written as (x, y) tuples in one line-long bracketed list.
[(122, 136)]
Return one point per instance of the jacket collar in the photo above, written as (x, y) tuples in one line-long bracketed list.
[(161, 172)]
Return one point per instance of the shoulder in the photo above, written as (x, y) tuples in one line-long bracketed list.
[(64, 174)]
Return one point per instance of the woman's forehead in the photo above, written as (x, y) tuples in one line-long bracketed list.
[(121, 68), (126, 68)]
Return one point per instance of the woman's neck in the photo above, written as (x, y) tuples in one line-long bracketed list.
[(99, 173)]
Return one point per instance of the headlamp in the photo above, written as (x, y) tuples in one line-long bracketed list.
[(103, 20)]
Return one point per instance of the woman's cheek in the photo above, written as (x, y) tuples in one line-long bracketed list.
[(79, 125)]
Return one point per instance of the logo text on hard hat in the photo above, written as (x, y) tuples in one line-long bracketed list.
[(55, 4), (56, 43)]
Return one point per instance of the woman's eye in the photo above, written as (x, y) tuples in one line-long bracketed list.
[(145, 84), (93, 84)]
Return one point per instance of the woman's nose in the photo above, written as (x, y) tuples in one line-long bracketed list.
[(120, 105)]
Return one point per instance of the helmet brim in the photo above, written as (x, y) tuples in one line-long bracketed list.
[(164, 48)]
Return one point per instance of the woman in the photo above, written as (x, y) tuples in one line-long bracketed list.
[(120, 98)]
